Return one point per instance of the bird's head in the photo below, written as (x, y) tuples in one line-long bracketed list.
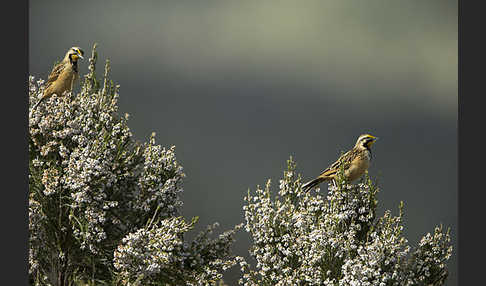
[(74, 54), (365, 141)]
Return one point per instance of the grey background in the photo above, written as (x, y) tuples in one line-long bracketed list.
[(239, 86)]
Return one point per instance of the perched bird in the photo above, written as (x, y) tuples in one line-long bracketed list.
[(355, 162), (63, 75)]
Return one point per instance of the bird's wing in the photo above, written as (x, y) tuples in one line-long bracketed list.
[(56, 71), (345, 159)]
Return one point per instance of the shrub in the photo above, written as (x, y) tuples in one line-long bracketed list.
[(304, 238), (104, 208)]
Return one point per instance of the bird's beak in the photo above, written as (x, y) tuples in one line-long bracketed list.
[(372, 141), (79, 55)]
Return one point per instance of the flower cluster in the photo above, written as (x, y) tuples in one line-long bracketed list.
[(93, 188), (159, 181), (428, 262), (380, 260), (303, 238), (158, 254)]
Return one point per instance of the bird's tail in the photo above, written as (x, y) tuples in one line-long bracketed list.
[(311, 184)]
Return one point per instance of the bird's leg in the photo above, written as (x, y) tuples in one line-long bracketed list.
[(334, 184)]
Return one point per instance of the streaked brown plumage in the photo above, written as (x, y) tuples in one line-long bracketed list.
[(63, 75), (355, 162)]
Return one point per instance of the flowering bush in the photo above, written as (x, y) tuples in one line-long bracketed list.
[(303, 238), (105, 210), (160, 254), (102, 207)]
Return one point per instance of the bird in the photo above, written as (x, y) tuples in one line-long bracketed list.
[(63, 75), (355, 162)]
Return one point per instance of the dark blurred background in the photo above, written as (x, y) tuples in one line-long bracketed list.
[(239, 86)]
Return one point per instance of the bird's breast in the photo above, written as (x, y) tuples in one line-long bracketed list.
[(63, 83), (358, 166)]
